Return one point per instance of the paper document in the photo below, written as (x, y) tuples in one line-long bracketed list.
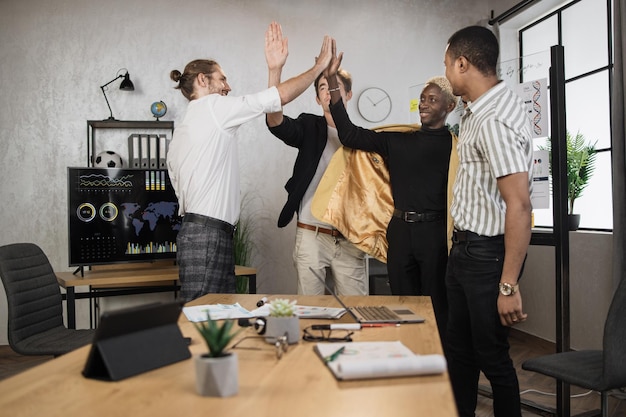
[(365, 360), (304, 312), (217, 312)]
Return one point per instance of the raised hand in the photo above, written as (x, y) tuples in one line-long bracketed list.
[(335, 62), (276, 47), (325, 55)]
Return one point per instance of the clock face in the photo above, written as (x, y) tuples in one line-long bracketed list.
[(374, 104)]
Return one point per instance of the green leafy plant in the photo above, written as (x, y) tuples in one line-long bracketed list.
[(216, 336), (243, 246), (282, 307), (581, 158)]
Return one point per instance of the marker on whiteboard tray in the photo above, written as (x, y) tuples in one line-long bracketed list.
[(261, 302)]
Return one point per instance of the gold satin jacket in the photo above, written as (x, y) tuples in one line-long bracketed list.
[(354, 195)]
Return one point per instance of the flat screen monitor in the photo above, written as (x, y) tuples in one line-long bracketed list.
[(121, 215)]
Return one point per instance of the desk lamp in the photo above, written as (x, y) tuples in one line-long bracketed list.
[(126, 85)]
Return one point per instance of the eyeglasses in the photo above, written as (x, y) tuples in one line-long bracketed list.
[(281, 345), (311, 335)]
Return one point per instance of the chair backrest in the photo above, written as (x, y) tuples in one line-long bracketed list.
[(33, 294), (614, 344)]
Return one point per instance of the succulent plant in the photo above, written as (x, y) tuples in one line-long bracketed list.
[(282, 307), (216, 336)]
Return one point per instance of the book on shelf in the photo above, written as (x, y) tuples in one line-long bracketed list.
[(367, 360)]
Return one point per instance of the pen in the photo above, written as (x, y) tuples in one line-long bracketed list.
[(380, 325), (334, 355), (261, 302), (339, 326)]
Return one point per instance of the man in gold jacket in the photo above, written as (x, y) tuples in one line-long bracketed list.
[(392, 200)]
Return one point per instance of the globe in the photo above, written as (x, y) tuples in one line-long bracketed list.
[(158, 109)]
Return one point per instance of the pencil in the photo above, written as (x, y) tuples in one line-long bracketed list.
[(380, 325)]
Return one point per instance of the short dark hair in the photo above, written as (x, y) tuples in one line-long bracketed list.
[(479, 45)]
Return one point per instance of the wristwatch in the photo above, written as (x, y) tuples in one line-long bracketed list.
[(508, 289)]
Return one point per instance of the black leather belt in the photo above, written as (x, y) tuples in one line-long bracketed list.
[(414, 217), (210, 222), (460, 236)]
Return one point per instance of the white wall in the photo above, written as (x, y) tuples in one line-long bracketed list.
[(55, 55)]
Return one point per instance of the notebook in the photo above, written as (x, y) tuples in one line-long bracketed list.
[(375, 314)]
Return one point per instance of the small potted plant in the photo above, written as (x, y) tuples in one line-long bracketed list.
[(580, 164), (282, 321), (217, 372)]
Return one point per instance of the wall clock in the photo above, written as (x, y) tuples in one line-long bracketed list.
[(374, 104)]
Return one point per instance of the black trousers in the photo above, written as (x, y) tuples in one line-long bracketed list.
[(416, 263), (476, 340)]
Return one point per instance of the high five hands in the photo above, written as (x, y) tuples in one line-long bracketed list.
[(335, 62), (277, 50)]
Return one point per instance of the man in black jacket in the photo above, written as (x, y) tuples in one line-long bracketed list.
[(318, 245)]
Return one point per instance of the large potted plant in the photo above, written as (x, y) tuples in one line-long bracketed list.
[(217, 372), (580, 164)]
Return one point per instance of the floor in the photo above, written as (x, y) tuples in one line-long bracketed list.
[(523, 347), (534, 386)]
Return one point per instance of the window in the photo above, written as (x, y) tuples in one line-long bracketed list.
[(583, 28)]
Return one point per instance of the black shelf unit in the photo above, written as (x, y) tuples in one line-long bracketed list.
[(93, 125)]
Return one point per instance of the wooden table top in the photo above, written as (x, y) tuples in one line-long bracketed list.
[(130, 275), (299, 384)]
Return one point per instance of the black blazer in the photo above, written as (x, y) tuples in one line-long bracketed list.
[(308, 133)]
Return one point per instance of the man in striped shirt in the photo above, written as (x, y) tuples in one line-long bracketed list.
[(491, 210)]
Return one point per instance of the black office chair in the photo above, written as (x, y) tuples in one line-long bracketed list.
[(35, 324), (598, 370)]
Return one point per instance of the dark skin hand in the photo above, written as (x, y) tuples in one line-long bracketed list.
[(331, 73)]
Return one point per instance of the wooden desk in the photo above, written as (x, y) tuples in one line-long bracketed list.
[(297, 385), (137, 279)]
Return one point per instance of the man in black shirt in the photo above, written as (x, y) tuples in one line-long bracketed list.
[(418, 165)]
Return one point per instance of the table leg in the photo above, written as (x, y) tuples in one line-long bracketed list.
[(252, 284), (70, 307)]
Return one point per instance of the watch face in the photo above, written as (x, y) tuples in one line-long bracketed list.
[(507, 289), (374, 104)]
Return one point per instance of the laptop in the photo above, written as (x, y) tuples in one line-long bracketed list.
[(375, 314)]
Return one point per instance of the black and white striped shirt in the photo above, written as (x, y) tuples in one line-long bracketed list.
[(494, 141)]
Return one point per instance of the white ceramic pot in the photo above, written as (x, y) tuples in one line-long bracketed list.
[(217, 377), (279, 326)]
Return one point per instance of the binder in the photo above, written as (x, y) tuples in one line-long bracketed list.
[(134, 340), (144, 149), (163, 145), (153, 153), (134, 153)]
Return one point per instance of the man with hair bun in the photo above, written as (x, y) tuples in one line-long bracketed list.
[(203, 164)]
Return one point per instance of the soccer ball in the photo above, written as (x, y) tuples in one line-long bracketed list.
[(108, 159)]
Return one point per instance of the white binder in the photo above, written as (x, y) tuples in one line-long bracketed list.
[(134, 151)]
